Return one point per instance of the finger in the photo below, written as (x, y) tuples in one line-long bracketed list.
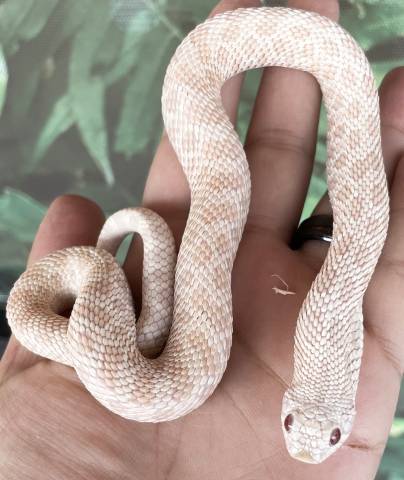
[(281, 140), (392, 130), (69, 221), (166, 190), (392, 133), (384, 299), (391, 122)]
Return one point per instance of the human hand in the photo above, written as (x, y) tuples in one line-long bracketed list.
[(52, 428)]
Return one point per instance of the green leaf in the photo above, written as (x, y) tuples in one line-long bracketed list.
[(110, 47), (88, 111), (321, 151), (248, 93), (12, 14), (123, 250), (131, 52), (138, 20), (184, 9), (140, 117), (59, 121), (21, 96), (323, 123), (66, 18), (36, 19), (317, 188), (13, 258), (37, 55), (3, 79), (134, 17), (164, 19), (86, 43), (109, 199), (71, 15), (87, 92), (373, 23), (20, 215), (381, 69), (156, 10), (392, 465), (397, 429)]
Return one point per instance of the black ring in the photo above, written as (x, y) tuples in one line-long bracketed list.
[(318, 227)]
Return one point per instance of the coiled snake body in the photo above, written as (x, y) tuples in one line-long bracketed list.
[(116, 358)]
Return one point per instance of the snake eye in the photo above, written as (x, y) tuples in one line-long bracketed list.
[(288, 422), (335, 436)]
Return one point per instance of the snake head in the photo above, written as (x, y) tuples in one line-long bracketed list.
[(313, 432)]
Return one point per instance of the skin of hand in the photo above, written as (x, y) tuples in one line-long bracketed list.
[(52, 428)]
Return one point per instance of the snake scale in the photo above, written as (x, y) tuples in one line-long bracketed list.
[(171, 360)]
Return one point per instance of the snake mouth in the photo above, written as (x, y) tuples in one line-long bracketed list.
[(304, 456)]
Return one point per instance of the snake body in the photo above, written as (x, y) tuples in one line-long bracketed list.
[(189, 318)]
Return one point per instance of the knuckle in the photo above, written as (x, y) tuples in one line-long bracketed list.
[(278, 139), (259, 224)]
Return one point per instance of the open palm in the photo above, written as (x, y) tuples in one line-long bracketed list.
[(52, 428)]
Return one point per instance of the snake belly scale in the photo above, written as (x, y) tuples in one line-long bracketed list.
[(189, 318)]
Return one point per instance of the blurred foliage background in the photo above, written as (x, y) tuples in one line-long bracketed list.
[(80, 86)]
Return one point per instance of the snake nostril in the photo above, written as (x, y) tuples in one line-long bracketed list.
[(288, 422)]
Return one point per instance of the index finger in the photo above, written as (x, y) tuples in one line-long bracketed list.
[(166, 190)]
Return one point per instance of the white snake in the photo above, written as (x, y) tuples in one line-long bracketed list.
[(116, 359)]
